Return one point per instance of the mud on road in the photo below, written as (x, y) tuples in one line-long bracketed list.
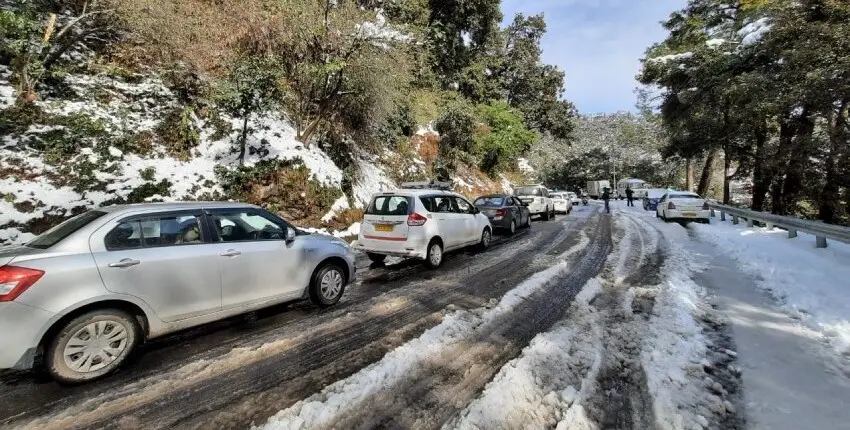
[(232, 374)]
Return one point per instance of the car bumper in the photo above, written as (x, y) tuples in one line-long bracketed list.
[(23, 327), (501, 222), (561, 207), (688, 215), (537, 208), (413, 247)]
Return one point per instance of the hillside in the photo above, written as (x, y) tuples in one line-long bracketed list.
[(87, 123)]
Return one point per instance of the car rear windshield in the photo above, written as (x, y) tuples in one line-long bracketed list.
[(528, 191), (684, 196), (389, 205), (489, 201), (57, 234)]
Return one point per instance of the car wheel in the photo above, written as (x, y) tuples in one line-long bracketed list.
[(376, 258), (327, 285), (91, 346), (486, 237), (513, 226), (435, 254)]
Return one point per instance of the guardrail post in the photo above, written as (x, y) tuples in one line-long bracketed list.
[(821, 241), (770, 226), (735, 219), (722, 216), (749, 222), (792, 233)]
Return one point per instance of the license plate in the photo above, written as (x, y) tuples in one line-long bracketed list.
[(689, 214), (383, 227)]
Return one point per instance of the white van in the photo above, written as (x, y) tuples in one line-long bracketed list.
[(632, 183)]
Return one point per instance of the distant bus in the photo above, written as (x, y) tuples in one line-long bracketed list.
[(634, 184), (595, 188)]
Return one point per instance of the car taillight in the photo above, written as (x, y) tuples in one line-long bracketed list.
[(500, 212), (671, 206), (15, 280), (415, 219), (705, 206)]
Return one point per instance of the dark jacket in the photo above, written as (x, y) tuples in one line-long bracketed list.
[(606, 195), (629, 192)]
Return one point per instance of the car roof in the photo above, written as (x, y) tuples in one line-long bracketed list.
[(682, 193), (172, 206), (410, 192)]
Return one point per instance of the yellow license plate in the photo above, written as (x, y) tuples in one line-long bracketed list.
[(383, 227), (689, 214)]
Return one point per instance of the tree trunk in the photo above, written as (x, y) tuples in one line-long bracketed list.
[(243, 140), (727, 164), (829, 196), (689, 174), (798, 162), (705, 177), (761, 175), (308, 132)]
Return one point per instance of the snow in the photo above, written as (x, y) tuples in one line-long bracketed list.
[(506, 184), (810, 283), (13, 235), (372, 179), (713, 43), (542, 385), (524, 166), (753, 32), (339, 205), (381, 31), (7, 91), (341, 397), (115, 152), (672, 57)]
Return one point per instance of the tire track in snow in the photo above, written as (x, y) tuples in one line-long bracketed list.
[(448, 379)]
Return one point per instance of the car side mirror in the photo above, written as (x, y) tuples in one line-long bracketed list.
[(290, 234)]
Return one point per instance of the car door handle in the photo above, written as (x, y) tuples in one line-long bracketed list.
[(230, 253), (126, 262)]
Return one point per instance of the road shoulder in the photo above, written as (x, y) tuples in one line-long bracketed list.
[(788, 383)]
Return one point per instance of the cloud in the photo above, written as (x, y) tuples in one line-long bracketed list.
[(598, 43)]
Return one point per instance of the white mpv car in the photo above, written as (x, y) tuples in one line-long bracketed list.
[(422, 224)]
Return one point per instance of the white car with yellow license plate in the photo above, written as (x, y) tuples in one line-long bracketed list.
[(538, 200), (683, 206), (562, 203), (575, 200), (421, 224)]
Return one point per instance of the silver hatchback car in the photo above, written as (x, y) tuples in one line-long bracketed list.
[(83, 294)]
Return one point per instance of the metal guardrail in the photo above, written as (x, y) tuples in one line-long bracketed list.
[(820, 230)]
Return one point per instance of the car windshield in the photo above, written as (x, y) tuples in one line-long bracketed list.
[(490, 201), (56, 234), (528, 191), (684, 196)]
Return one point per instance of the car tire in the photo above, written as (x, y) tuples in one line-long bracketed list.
[(376, 258), (434, 255), (486, 238), (512, 227), (113, 329), (327, 285)]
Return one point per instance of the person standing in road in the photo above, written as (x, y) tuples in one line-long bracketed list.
[(606, 195), (629, 194)]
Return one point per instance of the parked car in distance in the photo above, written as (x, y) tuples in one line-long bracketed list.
[(86, 292), (538, 200), (505, 212), (562, 203), (683, 206), (652, 196), (574, 198), (421, 223)]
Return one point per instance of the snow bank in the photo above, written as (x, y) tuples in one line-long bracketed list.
[(541, 386), (372, 179), (811, 283)]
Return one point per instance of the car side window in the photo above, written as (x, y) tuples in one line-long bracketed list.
[(246, 226), (126, 235), (155, 231), (462, 206)]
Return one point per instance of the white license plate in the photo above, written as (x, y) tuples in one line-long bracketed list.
[(383, 227), (689, 214)]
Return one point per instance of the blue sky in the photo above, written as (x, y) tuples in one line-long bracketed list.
[(598, 43)]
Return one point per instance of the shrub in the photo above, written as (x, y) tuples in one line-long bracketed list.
[(504, 137), (456, 126)]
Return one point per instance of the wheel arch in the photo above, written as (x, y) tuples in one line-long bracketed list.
[(335, 260), (131, 308)]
